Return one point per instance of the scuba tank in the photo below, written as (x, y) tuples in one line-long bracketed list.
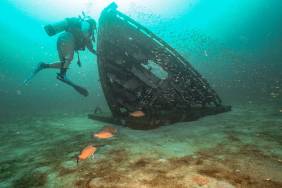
[(55, 28), (68, 24), (65, 25)]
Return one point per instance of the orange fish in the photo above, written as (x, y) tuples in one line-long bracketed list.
[(200, 180), (103, 135), (137, 114), (110, 130), (86, 153)]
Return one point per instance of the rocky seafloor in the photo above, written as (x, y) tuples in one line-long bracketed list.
[(241, 148)]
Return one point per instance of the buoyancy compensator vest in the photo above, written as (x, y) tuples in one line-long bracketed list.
[(74, 26)]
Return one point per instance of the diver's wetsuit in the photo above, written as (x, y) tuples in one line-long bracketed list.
[(68, 42), (78, 34)]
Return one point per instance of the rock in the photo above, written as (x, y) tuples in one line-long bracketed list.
[(200, 180), (70, 165), (162, 160), (223, 184), (97, 182)]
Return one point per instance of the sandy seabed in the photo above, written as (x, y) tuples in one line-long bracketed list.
[(241, 148)]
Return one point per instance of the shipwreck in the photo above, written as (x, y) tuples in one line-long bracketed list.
[(140, 72)]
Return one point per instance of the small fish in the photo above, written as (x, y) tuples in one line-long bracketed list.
[(110, 130), (137, 114), (200, 180), (280, 110), (86, 153), (103, 135)]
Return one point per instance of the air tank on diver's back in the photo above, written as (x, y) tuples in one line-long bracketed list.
[(55, 28), (72, 25)]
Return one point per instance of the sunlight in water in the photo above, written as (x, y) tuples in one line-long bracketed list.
[(54, 9)]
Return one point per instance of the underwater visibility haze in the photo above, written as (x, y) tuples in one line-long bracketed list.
[(175, 93)]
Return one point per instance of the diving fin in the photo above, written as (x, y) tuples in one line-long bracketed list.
[(78, 88), (38, 68)]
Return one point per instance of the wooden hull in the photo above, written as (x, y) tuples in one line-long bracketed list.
[(140, 72)]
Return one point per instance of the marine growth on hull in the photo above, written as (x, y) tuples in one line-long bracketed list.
[(146, 82)]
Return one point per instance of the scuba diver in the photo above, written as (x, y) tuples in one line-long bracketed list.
[(78, 34)]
